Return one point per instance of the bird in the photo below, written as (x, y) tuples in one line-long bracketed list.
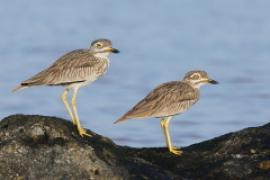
[(74, 70), (170, 99)]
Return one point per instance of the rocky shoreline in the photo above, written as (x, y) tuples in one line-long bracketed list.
[(40, 147)]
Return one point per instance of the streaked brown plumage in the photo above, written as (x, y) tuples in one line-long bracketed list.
[(74, 70), (168, 100), (74, 67)]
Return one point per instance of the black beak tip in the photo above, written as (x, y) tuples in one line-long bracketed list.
[(115, 51), (211, 81)]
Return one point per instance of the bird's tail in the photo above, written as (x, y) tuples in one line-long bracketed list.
[(123, 118), (19, 87)]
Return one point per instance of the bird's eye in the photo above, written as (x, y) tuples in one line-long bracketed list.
[(98, 45), (195, 76)]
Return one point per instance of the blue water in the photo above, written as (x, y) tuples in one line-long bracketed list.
[(159, 42)]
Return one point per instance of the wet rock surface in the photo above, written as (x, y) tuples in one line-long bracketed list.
[(39, 147)]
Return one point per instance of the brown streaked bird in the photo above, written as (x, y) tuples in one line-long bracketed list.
[(170, 99), (73, 71)]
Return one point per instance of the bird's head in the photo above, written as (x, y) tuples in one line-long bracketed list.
[(198, 78), (102, 48)]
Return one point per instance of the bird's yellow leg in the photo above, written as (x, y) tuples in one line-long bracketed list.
[(165, 126), (162, 123), (64, 99), (81, 130)]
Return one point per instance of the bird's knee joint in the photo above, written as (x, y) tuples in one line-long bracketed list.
[(73, 103)]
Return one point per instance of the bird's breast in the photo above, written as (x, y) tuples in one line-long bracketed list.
[(98, 70)]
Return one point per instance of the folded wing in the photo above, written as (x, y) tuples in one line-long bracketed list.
[(75, 66), (166, 100)]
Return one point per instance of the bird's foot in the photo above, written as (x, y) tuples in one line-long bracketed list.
[(176, 151), (83, 132)]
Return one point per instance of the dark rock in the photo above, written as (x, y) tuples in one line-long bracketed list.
[(38, 147)]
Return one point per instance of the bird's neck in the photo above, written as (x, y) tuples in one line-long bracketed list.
[(195, 85), (103, 55)]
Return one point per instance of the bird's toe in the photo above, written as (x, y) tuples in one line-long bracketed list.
[(83, 133), (176, 151)]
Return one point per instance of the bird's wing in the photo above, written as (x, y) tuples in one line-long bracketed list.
[(75, 66), (167, 99)]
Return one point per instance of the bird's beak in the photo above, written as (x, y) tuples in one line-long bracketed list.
[(113, 50), (212, 81)]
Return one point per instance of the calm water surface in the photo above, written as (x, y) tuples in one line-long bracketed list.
[(159, 42)]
